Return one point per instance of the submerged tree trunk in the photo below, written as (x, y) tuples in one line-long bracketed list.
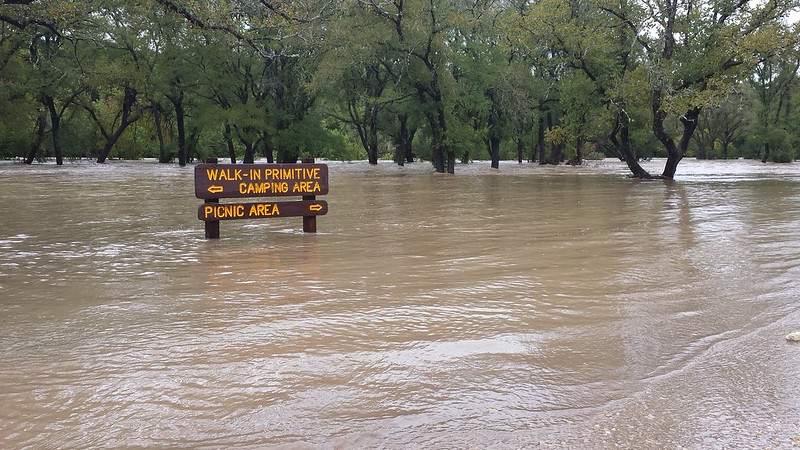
[(229, 142), (675, 152), (266, 149), (191, 144), (494, 150), (401, 140), (623, 146), (163, 157), (444, 157), (371, 118), (249, 152), (180, 119), (129, 116), (556, 150), (578, 160), (55, 128), (540, 145), (41, 123), (409, 145)]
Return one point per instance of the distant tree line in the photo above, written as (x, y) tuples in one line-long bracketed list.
[(553, 81)]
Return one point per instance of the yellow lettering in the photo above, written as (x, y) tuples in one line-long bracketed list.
[(263, 210), (223, 211), (306, 187)]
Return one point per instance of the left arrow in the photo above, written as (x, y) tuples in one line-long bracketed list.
[(214, 189)]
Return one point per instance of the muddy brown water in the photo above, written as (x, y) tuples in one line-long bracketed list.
[(531, 306)]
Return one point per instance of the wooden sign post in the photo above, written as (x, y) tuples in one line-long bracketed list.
[(214, 181)]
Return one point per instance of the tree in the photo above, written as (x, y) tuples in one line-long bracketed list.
[(772, 82), (722, 125), (355, 75), (491, 84), (419, 30), (694, 52), (275, 42), (48, 31)]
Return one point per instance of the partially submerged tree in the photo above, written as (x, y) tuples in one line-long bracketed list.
[(694, 53)]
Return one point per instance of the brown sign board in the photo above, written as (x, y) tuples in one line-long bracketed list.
[(210, 212), (212, 181)]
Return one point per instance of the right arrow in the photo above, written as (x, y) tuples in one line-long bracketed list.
[(315, 207)]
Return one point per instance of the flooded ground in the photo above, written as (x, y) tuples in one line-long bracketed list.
[(556, 307)]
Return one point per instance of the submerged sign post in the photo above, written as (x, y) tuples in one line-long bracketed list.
[(214, 181)]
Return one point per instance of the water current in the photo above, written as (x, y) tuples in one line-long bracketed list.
[(547, 307)]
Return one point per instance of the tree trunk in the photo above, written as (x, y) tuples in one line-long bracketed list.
[(180, 119), (623, 146), (494, 149), (55, 128), (191, 143), (555, 149), (229, 142), (401, 138), (578, 160), (540, 141), (371, 116), (674, 152), (249, 152), (409, 145), (41, 123), (441, 155), (110, 141), (520, 150), (266, 149), (555, 153), (127, 119), (163, 157)]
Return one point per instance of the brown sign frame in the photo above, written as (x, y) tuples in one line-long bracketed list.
[(210, 212), (212, 181)]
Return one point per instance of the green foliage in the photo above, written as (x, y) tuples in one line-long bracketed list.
[(308, 139), (780, 146), (330, 79)]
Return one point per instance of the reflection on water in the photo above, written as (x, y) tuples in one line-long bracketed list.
[(562, 307)]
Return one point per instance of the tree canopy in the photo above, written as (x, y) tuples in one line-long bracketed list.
[(553, 81)]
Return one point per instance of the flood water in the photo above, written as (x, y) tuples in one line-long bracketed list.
[(549, 307)]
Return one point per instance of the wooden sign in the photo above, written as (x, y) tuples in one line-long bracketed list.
[(259, 180), (232, 211), (214, 181)]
